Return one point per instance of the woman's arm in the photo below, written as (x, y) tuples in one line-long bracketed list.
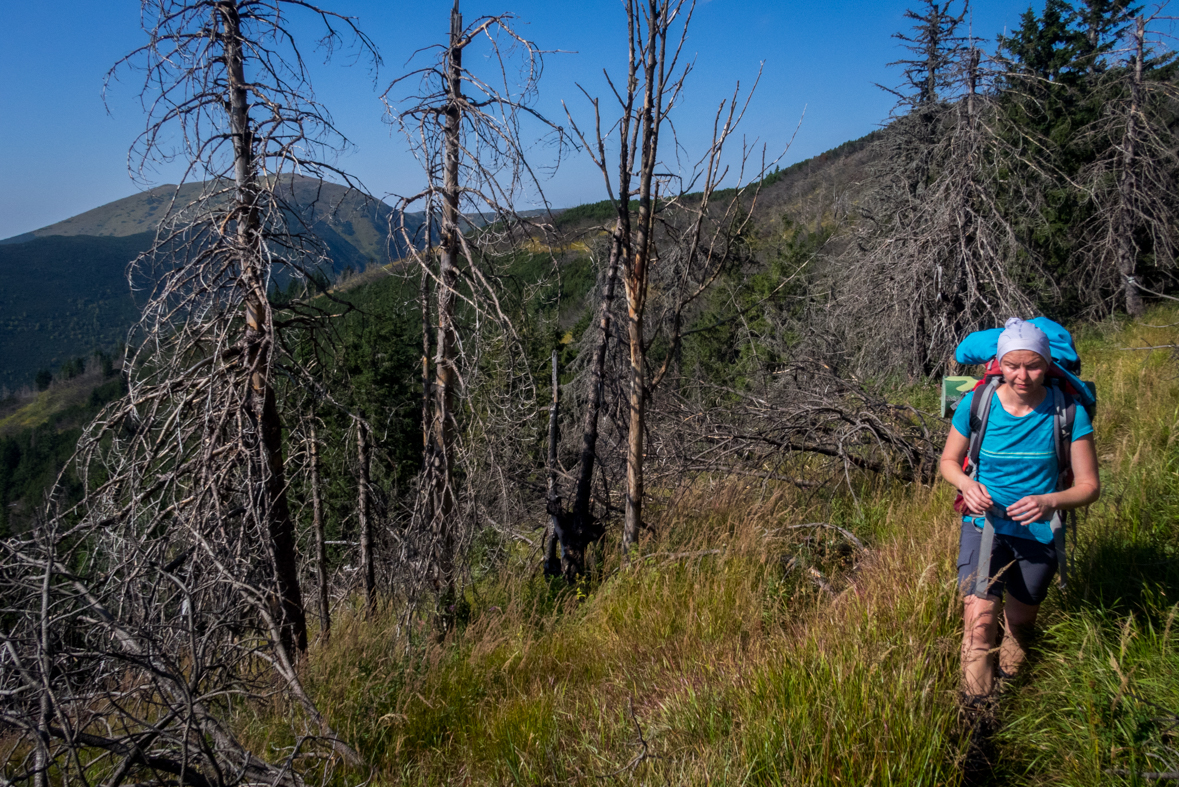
[(978, 500), (1085, 489)]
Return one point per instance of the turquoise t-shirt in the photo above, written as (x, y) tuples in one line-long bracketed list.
[(1018, 458)]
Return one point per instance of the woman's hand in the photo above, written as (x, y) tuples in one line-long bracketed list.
[(1033, 508), (977, 499)]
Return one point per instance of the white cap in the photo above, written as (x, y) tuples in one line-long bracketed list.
[(1021, 335)]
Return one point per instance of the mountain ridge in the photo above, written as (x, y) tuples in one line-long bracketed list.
[(67, 292), (76, 314)]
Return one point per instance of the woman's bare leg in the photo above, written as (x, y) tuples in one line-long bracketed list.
[(1019, 622), (981, 617)]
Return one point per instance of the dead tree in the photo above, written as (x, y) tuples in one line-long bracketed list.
[(172, 589), (1131, 183), (467, 131), (933, 264), (806, 426), (92, 677), (576, 528), (318, 525), (931, 77), (941, 252), (934, 41), (692, 251), (552, 562), (363, 515)]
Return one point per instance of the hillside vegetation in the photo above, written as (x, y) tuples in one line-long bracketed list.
[(743, 644), (67, 290), (64, 297), (39, 434)]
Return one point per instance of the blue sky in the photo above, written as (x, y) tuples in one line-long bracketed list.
[(63, 152)]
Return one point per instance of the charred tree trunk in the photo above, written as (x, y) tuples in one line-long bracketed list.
[(317, 524), (259, 339), (363, 514), (582, 528)]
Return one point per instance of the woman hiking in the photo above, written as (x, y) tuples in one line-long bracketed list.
[(1015, 487)]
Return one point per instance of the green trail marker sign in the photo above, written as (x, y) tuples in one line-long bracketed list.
[(953, 389)]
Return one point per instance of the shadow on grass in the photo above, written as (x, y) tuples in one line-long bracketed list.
[(1081, 717), (1126, 577)]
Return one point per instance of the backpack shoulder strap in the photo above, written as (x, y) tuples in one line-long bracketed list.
[(980, 413), (1064, 416)]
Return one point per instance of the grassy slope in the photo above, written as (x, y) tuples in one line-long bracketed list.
[(131, 215), (1106, 690), (361, 221), (740, 670), (36, 409)]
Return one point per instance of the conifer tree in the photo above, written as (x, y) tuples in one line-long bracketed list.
[(1131, 231), (1089, 117)]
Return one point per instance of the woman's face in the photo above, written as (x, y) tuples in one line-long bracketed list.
[(1024, 370)]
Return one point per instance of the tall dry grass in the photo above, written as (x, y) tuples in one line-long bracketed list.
[(733, 650)]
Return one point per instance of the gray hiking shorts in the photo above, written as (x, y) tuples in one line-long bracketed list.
[(1022, 567)]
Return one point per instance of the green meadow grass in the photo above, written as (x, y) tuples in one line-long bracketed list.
[(735, 651)]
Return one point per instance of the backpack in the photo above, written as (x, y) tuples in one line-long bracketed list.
[(1066, 390)]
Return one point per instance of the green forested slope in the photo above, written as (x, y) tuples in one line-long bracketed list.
[(63, 297), (65, 287), (37, 440)]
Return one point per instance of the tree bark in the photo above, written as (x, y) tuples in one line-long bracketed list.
[(582, 529), (317, 524), (634, 442), (636, 272), (1128, 187), (362, 511), (552, 561), (259, 338), (442, 428), (424, 305)]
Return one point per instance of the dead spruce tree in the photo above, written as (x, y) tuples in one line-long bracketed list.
[(934, 263), (136, 621), (679, 239), (935, 45), (804, 425), (938, 255), (1131, 182), (468, 128)]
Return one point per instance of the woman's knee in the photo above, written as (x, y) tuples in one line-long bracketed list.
[(1018, 614), (980, 616)]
